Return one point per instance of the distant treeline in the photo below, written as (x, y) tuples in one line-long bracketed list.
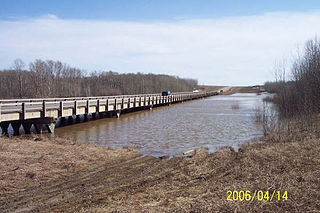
[(49, 78), (300, 94)]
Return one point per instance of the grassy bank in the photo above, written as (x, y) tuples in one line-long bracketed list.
[(31, 161), (71, 177)]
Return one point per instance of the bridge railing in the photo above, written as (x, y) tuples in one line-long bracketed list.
[(7, 101)]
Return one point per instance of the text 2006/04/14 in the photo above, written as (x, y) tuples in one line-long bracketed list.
[(259, 195)]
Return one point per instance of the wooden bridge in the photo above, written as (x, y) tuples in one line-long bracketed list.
[(43, 113)]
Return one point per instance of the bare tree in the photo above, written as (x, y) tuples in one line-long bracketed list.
[(56, 79), (18, 66)]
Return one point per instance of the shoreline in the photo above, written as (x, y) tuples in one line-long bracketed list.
[(60, 175)]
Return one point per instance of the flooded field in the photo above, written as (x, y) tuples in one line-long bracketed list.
[(208, 123)]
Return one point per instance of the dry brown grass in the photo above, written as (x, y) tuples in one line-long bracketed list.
[(31, 161), (200, 183), (181, 184)]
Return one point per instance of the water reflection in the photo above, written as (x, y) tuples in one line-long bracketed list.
[(212, 123)]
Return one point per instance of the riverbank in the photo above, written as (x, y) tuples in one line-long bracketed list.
[(39, 174), (249, 89)]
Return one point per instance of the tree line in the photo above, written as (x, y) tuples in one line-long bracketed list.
[(299, 95), (48, 78)]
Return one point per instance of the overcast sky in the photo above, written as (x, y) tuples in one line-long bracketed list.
[(217, 43)]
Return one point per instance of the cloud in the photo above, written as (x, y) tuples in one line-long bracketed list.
[(225, 51)]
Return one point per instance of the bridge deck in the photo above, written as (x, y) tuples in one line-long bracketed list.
[(22, 110)]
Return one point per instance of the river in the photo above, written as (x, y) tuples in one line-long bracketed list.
[(209, 123)]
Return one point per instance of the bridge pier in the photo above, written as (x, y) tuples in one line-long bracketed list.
[(118, 114), (62, 121), (4, 126), (39, 124), (70, 120), (94, 116), (50, 127), (78, 119), (27, 128), (16, 128), (109, 115), (38, 128), (102, 115)]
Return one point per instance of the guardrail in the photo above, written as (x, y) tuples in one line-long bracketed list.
[(6, 101)]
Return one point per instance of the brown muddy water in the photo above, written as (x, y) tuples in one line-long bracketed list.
[(207, 123)]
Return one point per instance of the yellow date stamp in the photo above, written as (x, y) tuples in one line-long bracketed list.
[(257, 194)]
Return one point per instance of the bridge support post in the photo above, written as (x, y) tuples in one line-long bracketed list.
[(102, 115), (78, 119), (70, 119), (85, 117), (38, 128), (27, 127), (4, 126), (109, 114), (62, 121), (94, 116), (39, 125), (50, 127), (15, 127), (118, 114)]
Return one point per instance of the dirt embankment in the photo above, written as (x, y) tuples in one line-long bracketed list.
[(249, 89), (60, 176), (30, 161)]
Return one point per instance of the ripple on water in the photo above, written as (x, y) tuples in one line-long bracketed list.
[(210, 123)]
